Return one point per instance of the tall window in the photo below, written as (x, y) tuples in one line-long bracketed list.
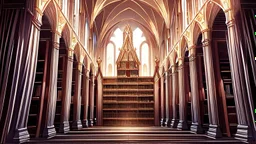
[(145, 59), (110, 59), (64, 7), (86, 34), (138, 38), (112, 50)]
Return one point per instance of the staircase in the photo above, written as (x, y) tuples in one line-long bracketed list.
[(128, 101), (132, 135)]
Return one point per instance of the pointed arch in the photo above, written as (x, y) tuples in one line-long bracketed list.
[(52, 14), (66, 34)]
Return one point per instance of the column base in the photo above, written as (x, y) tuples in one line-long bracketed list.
[(85, 123), (214, 131), (166, 124), (21, 135), (243, 133), (77, 125), (162, 122), (182, 125), (90, 122), (64, 127), (195, 128), (174, 123), (49, 132)]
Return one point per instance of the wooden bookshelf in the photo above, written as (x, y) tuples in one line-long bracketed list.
[(230, 102), (128, 101), (36, 105)]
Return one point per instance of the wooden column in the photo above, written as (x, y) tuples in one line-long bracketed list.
[(99, 102), (66, 99), (91, 99), (86, 97), (49, 129), (214, 130), (170, 98), (195, 106), (167, 119), (25, 83), (156, 92), (243, 101), (162, 100), (182, 98), (77, 125), (175, 95)]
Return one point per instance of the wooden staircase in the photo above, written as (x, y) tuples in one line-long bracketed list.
[(133, 135), (128, 101)]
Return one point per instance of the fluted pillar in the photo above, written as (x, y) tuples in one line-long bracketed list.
[(245, 128), (25, 83), (167, 118), (170, 93), (182, 97), (175, 95), (66, 98), (162, 100), (195, 106), (85, 95), (77, 125), (214, 129), (91, 99), (49, 129)]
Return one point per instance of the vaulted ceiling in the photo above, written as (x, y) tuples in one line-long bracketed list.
[(152, 16)]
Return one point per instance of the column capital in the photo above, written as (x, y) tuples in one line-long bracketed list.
[(70, 53), (230, 20), (180, 61), (192, 57), (80, 67)]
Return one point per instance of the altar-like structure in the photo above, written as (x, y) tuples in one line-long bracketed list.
[(127, 61), (128, 100)]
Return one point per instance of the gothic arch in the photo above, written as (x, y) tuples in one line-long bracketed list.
[(196, 30), (183, 44), (66, 34), (51, 13)]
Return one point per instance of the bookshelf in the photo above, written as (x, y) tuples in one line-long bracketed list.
[(128, 101), (230, 102), (37, 100)]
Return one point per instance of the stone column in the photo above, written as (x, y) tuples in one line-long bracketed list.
[(175, 95), (162, 100), (195, 106), (91, 99), (66, 98), (49, 129), (86, 97), (170, 93), (25, 84), (214, 129), (77, 125), (166, 98), (182, 98), (244, 109)]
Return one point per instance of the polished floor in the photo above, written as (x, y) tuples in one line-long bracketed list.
[(123, 135)]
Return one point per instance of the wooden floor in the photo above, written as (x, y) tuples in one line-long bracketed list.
[(123, 135)]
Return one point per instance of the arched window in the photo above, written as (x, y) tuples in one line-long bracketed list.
[(145, 70), (145, 59), (110, 59), (86, 34), (64, 7), (110, 70), (117, 39), (184, 13), (117, 42), (138, 38)]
